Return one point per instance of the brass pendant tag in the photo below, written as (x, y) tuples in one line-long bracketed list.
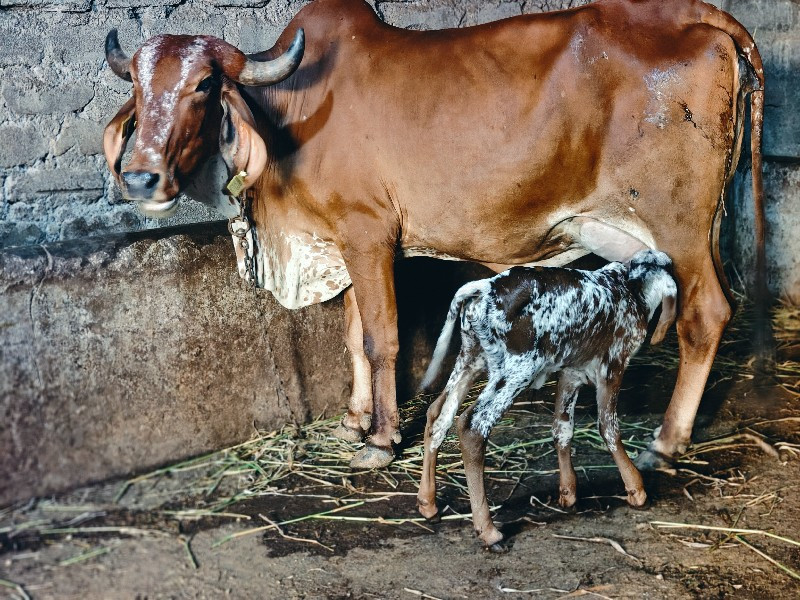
[(236, 184)]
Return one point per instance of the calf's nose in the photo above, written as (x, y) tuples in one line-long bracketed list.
[(140, 184)]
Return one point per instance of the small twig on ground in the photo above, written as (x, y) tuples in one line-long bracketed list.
[(187, 546), (421, 594), (508, 590), (669, 525), (84, 556), (554, 509), (293, 538), (601, 540), (764, 555)]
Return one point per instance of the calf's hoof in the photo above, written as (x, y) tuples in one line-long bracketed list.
[(372, 457), (638, 499), (567, 499), (652, 460), (429, 511), (497, 548), (492, 540), (348, 434)]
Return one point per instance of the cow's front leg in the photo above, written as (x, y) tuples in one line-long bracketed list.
[(371, 269), (356, 421)]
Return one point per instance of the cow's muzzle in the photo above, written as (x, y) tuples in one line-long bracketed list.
[(140, 185), (143, 188)]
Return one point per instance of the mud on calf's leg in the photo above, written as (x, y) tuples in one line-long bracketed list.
[(704, 313)]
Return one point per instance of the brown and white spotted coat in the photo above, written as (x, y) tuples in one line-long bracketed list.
[(521, 327), (607, 128)]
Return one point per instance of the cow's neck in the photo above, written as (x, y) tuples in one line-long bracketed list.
[(208, 187)]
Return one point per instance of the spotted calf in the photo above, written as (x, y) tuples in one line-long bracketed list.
[(526, 324)]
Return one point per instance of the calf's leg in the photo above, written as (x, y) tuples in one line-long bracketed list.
[(473, 451), (608, 424), (474, 426), (356, 420), (563, 428), (467, 367)]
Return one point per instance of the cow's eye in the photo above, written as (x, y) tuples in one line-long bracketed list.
[(205, 85)]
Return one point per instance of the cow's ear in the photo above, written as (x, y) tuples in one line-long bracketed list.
[(668, 314), (241, 146), (117, 134)]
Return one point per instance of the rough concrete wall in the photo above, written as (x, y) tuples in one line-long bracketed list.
[(56, 94), (121, 353)]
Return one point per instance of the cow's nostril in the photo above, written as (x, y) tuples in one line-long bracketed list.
[(140, 183)]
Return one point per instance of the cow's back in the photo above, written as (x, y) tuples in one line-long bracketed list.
[(510, 122)]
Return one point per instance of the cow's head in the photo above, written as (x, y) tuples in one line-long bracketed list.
[(185, 108)]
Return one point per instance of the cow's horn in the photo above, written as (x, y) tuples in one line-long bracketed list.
[(272, 71), (117, 59)]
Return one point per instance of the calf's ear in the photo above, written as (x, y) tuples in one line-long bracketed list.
[(116, 136), (667, 318), (241, 146)]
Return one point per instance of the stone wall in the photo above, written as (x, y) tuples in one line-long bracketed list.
[(57, 94)]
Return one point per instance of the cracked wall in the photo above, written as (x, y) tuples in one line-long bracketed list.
[(56, 94)]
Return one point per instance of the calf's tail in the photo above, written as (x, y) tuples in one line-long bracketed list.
[(465, 292)]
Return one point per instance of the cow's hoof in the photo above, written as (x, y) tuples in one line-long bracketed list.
[(348, 434), (372, 457), (651, 460)]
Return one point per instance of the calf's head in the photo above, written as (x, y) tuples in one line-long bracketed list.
[(654, 270), (185, 108)]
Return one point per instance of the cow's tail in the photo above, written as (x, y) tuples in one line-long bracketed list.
[(445, 337), (746, 47)]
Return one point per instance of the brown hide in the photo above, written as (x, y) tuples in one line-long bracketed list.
[(605, 128)]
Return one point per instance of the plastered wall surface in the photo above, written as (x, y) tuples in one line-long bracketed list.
[(56, 94)]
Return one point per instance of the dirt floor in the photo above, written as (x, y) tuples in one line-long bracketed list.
[(282, 516)]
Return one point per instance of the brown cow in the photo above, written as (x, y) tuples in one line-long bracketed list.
[(606, 128)]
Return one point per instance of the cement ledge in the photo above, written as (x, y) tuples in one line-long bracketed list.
[(121, 353)]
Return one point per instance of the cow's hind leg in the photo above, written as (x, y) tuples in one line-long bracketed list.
[(356, 420), (563, 426), (468, 365), (704, 313)]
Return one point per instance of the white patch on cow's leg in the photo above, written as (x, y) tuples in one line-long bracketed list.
[(358, 416)]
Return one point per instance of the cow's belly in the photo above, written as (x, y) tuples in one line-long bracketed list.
[(614, 238)]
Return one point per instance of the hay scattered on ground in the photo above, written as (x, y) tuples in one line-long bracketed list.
[(309, 463)]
